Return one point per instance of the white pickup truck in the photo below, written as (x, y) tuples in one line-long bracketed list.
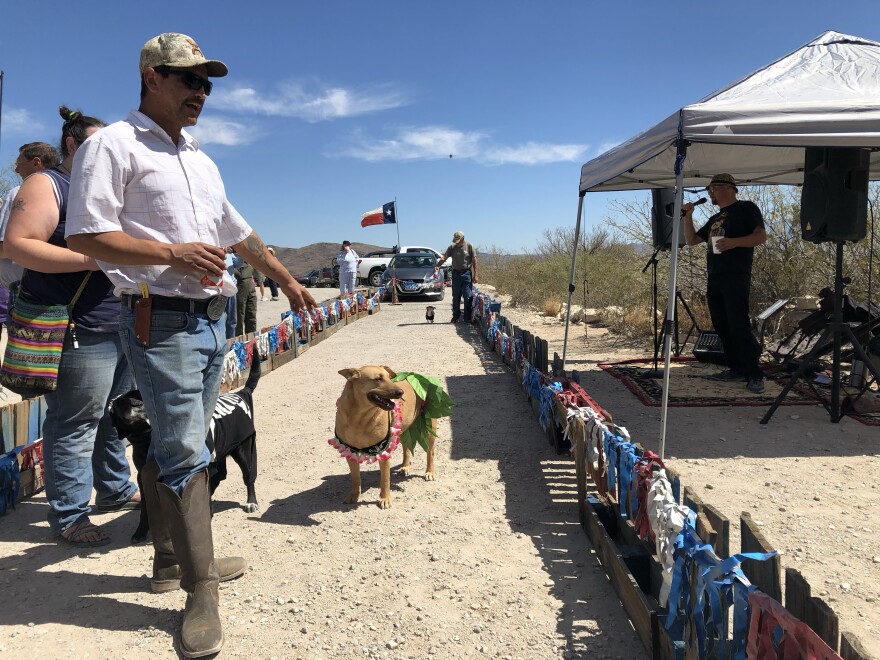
[(370, 265)]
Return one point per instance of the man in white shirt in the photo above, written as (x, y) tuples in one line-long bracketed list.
[(151, 207)]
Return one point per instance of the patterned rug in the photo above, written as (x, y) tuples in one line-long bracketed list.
[(689, 385)]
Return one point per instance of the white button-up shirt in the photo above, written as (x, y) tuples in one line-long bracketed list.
[(131, 177)]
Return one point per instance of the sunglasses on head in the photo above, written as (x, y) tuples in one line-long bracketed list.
[(192, 81)]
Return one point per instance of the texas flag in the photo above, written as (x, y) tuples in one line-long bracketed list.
[(383, 216)]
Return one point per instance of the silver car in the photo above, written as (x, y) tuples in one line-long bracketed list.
[(416, 274)]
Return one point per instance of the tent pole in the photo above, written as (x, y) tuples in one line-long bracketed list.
[(574, 251), (671, 302)]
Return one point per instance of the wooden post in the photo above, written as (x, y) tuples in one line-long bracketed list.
[(763, 574), (851, 648), (797, 593)]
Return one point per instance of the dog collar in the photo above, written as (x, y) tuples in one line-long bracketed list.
[(380, 451)]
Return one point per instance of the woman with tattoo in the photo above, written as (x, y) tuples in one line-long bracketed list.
[(80, 446)]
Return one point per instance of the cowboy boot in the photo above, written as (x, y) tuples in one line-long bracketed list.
[(166, 571), (189, 521)]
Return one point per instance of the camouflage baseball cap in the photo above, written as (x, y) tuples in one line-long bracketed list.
[(179, 51)]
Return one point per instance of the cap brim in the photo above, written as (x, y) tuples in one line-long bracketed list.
[(216, 68)]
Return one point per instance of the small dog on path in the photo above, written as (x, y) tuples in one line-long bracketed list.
[(429, 313), (372, 414)]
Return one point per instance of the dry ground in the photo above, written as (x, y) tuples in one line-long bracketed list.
[(488, 561), (809, 483)]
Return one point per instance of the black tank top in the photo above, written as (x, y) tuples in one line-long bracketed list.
[(97, 308)]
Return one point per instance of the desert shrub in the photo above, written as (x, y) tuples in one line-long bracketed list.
[(610, 259), (552, 306)]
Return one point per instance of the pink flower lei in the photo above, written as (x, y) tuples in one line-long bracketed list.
[(350, 453)]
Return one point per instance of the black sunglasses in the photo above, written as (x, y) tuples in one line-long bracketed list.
[(188, 78)]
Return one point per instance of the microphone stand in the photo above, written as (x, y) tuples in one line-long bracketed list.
[(652, 263)]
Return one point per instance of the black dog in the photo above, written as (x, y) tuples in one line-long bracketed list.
[(429, 313), (231, 433)]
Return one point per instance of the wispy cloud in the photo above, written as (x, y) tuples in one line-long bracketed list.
[(19, 121), (534, 153), (311, 102), (416, 144), (215, 130), (434, 142)]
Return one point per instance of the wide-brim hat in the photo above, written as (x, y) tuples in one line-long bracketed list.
[(725, 179), (180, 52)]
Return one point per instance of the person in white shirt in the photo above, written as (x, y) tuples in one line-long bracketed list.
[(151, 207), (347, 260)]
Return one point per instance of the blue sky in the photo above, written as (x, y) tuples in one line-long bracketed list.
[(333, 108)]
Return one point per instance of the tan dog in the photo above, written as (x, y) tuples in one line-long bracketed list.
[(364, 416)]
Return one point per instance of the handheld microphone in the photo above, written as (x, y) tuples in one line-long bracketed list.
[(702, 200)]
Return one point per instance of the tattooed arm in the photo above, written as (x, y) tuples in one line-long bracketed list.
[(255, 252)]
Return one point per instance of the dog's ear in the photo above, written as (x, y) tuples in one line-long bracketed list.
[(390, 372), (348, 374)]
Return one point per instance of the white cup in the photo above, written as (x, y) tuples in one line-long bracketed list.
[(715, 240)]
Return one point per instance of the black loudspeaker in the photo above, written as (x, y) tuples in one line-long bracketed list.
[(834, 200), (663, 200)]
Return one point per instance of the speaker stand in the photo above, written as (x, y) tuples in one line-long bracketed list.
[(838, 331), (660, 335)]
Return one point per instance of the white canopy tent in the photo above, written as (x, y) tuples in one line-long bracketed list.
[(824, 94)]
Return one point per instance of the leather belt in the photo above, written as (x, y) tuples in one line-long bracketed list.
[(212, 307)]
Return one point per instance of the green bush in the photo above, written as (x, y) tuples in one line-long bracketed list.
[(610, 258)]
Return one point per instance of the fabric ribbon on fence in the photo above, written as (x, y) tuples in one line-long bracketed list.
[(713, 582), (596, 457), (546, 397), (667, 518), (273, 339), (531, 380), (493, 327), (774, 633), (622, 456), (261, 344), (230, 367), (647, 464), (32, 459)]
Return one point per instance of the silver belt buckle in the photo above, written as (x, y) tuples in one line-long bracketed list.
[(216, 307)]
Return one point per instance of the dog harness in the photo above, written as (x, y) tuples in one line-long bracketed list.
[(380, 451)]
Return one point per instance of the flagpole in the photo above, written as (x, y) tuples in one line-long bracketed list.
[(397, 222)]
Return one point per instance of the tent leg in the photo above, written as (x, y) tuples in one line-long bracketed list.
[(669, 323), (574, 251)]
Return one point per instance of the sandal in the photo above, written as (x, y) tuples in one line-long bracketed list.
[(84, 534), (133, 502)]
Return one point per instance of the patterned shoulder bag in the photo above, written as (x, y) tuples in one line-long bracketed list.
[(36, 337)]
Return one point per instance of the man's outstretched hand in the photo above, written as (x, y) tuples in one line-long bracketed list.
[(299, 297)]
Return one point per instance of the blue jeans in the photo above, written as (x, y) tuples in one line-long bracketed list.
[(273, 286), (80, 445), (347, 282), (178, 376), (462, 287), (231, 316)]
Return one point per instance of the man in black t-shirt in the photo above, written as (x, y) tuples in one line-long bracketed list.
[(732, 234)]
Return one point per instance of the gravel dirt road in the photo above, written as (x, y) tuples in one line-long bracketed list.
[(487, 561)]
